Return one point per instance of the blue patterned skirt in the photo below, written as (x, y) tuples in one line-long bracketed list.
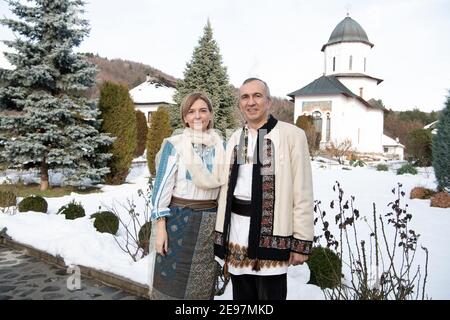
[(188, 270)]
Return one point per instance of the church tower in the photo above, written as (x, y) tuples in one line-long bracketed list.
[(347, 57), (343, 101)]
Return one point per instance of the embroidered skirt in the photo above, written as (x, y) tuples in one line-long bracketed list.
[(188, 270)]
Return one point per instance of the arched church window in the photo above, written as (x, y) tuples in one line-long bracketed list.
[(350, 63), (328, 127), (334, 63), (365, 60), (317, 120)]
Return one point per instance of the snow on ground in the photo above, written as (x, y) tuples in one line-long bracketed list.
[(77, 241)]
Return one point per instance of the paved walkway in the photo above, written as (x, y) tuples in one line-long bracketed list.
[(27, 278)]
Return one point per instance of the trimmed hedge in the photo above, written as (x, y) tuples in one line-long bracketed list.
[(382, 167), (407, 168), (159, 129), (33, 203), (119, 120), (72, 210), (142, 131), (106, 221)]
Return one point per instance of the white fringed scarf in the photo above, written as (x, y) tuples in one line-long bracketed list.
[(183, 144)]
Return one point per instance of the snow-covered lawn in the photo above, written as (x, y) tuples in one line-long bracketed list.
[(77, 241)]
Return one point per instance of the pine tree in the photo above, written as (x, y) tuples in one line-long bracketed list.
[(45, 121), (205, 73), (159, 129), (441, 149), (119, 120), (142, 131)]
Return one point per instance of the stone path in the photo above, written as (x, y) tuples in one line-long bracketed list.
[(27, 278)]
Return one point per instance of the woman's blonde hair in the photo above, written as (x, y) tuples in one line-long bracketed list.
[(189, 100)]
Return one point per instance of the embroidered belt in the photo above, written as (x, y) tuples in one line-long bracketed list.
[(196, 205), (241, 207)]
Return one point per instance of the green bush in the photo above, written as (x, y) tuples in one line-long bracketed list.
[(159, 129), (407, 168), (382, 167), (325, 267), (357, 163), (142, 131), (419, 146), (144, 236), (119, 120), (106, 221), (33, 203), (72, 210), (7, 198), (306, 123)]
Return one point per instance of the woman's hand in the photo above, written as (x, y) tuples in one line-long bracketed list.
[(162, 243)]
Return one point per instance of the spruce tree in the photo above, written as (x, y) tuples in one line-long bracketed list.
[(206, 73), (142, 131), (119, 120), (441, 149), (159, 129), (45, 121)]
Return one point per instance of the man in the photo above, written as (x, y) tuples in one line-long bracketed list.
[(265, 214)]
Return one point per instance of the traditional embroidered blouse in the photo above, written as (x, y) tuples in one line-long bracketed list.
[(172, 179)]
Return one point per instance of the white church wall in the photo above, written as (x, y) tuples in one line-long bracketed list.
[(369, 86), (372, 131), (344, 125), (362, 125), (349, 119)]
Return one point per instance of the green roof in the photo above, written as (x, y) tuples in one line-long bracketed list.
[(348, 30), (323, 85), (330, 85)]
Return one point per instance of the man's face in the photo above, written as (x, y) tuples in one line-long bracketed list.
[(254, 102)]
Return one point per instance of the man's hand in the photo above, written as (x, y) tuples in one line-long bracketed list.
[(297, 258)]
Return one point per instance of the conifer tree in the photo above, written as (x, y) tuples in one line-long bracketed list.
[(206, 73), (159, 129), (142, 131), (119, 120), (45, 121), (441, 149)]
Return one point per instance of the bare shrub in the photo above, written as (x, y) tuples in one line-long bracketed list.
[(340, 150), (381, 264)]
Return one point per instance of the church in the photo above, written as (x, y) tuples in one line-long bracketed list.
[(343, 101)]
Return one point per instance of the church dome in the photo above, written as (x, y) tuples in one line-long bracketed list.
[(348, 30)]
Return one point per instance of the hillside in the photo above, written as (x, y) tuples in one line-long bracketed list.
[(125, 72), (133, 73)]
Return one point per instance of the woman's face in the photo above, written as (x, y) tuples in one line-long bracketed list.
[(198, 116)]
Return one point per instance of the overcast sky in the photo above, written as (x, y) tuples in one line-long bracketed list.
[(280, 40)]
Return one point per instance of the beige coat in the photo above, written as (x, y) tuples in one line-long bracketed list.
[(293, 208)]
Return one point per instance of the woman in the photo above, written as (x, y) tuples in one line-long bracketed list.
[(184, 197)]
